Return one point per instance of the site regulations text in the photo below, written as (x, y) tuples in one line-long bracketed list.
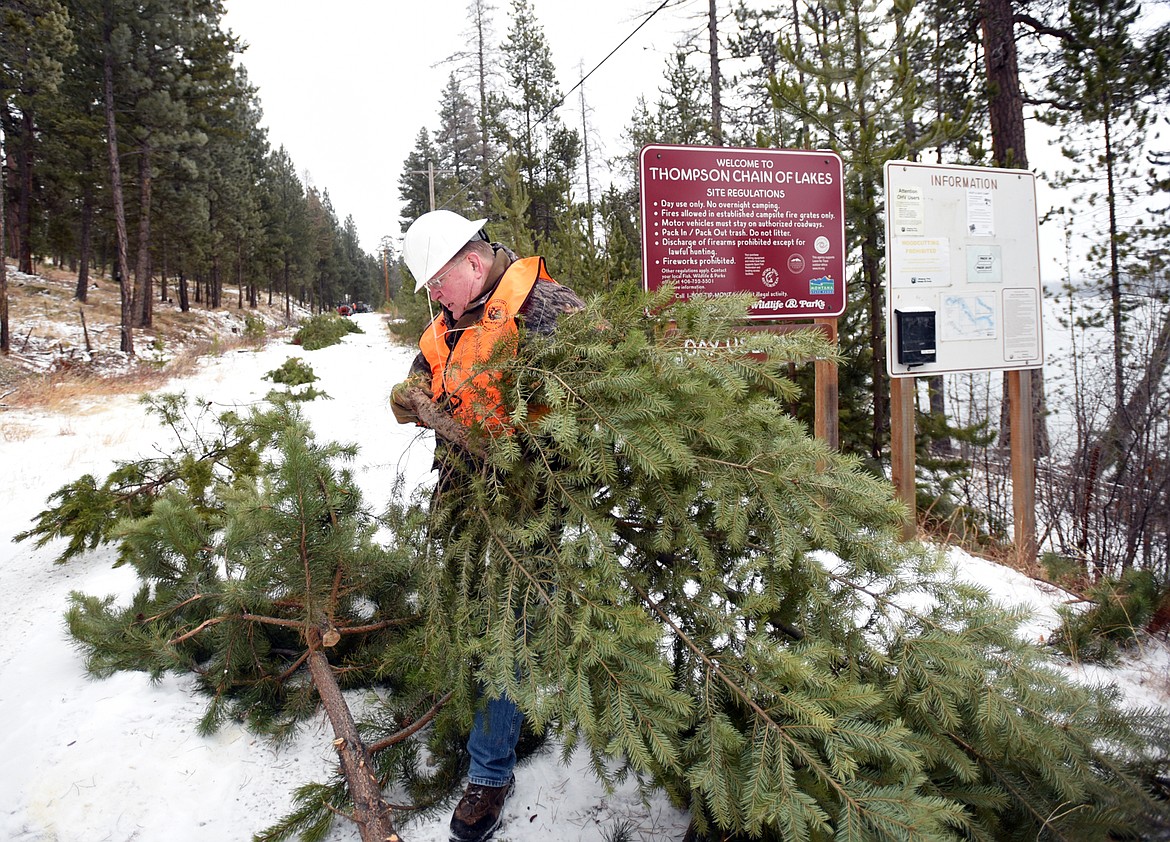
[(769, 222)]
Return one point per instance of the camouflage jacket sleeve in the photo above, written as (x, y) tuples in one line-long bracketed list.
[(547, 303)]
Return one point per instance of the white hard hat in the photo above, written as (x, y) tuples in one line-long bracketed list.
[(433, 239)]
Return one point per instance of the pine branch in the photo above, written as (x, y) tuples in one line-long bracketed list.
[(413, 728), (251, 618)]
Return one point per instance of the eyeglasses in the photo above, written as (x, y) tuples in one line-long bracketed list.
[(437, 281)]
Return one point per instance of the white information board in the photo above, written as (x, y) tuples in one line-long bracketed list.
[(962, 243)]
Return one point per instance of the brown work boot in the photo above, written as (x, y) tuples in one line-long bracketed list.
[(477, 815)]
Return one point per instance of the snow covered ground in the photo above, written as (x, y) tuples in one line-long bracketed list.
[(119, 759)]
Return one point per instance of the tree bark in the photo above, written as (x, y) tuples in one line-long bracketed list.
[(1006, 106), (442, 423), (24, 196), (942, 445), (1008, 149), (143, 292), (122, 266), (371, 812), (82, 292), (485, 181), (4, 339)]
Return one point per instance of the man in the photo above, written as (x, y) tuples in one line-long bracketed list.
[(486, 295)]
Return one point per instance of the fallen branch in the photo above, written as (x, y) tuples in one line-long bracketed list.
[(85, 331)]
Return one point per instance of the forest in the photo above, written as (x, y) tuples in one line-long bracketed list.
[(133, 150)]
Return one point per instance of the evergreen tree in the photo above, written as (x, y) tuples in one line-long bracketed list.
[(511, 207), (623, 261), (1108, 82), (547, 150), (414, 184), (458, 145), (754, 46), (684, 105), (286, 222), (860, 107), (224, 111), (659, 565), (323, 236), (479, 63), (273, 630), (34, 39), (75, 171)]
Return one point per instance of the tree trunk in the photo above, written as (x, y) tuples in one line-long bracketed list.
[(4, 340), (1006, 106), (942, 445), (1114, 270), (143, 293), (588, 179), (82, 293), (1133, 412), (24, 197), (481, 69), (1008, 149), (871, 272), (287, 294), (371, 812), (214, 285), (162, 276), (122, 267), (716, 81)]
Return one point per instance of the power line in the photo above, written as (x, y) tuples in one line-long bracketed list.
[(565, 96), (561, 101)]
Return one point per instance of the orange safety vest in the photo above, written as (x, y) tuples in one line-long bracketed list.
[(457, 379)]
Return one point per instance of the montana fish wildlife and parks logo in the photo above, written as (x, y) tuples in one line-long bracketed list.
[(822, 286), (495, 314)]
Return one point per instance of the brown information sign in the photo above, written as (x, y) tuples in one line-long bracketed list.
[(722, 220)]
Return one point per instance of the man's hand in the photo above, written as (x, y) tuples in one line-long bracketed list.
[(401, 402), (412, 403)]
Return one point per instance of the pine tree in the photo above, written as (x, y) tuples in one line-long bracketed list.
[(458, 144), (661, 567), (846, 81), (659, 525), (684, 105), (286, 221), (414, 187), (479, 63), (34, 39), (547, 150), (1108, 82), (75, 157), (263, 581)]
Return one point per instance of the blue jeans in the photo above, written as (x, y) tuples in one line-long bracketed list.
[(492, 744)]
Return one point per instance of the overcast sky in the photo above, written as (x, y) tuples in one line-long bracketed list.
[(346, 85)]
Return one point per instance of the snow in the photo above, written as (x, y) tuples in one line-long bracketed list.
[(121, 759)]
